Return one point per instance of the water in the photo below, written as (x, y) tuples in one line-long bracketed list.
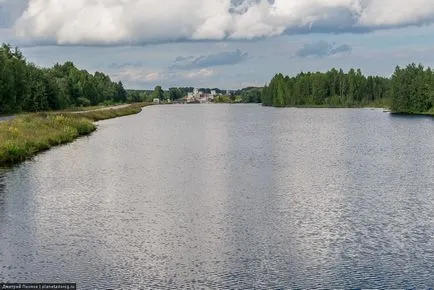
[(227, 196)]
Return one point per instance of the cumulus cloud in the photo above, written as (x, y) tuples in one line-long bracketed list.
[(108, 22), (203, 73), (153, 77), (321, 49), (204, 61)]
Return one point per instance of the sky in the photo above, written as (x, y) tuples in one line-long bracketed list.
[(228, 44)]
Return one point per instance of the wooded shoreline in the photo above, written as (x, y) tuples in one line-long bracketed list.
[(408, 90)]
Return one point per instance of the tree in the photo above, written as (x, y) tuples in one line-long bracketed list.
[(24, 86), (175, 94), (158, 93), (121, 94)]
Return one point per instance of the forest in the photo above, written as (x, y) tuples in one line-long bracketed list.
[(408, 90), (24, 87)]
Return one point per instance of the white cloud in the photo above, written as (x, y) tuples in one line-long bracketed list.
[(137, 74), (203, 73), (160, 76), (148, 21)]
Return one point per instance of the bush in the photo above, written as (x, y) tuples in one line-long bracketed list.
[(83, 102)]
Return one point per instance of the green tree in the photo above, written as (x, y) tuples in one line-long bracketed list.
[(158, 93), (175, 94)]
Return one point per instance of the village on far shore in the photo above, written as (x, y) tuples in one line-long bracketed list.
[(196, 97)]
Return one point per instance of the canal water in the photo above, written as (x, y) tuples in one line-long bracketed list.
[(227, 196)]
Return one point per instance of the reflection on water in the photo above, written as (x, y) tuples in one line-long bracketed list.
[(227, 196)]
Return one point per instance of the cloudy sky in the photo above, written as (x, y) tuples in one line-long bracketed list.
[(220, 43)]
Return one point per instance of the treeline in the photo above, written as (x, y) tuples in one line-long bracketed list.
[(333, 88), (26, 87), (408, 90), (413, 89), (171, 94), (149, 95), (249, 94)]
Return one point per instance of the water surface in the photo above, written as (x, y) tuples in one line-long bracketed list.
[(227, 196)]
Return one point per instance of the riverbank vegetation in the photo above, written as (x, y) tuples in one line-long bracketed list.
[(29, 134), (408, 90), (24, 87), (104, 114)]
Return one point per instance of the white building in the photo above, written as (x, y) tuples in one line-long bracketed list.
[(189, 98), (203, 99)]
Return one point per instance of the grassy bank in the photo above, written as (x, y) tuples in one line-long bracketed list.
[(26, 135), (105, 114)]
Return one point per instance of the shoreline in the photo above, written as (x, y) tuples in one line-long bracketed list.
[(426, 114), (325, 106), (29, 134), (384, 108)]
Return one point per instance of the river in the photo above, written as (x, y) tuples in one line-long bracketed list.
[(227, 196)]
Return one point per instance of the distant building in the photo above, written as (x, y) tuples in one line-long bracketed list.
[(189, 98), (199, 97), (203, 100)]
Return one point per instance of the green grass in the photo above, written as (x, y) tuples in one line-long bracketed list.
[(26, 135), (110, 113), (82, 109), (91, 108)]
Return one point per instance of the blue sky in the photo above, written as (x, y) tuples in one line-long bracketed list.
[(220, 43)]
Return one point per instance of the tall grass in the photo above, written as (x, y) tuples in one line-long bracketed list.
[(29, 134), (109, 113), (26, 135)]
